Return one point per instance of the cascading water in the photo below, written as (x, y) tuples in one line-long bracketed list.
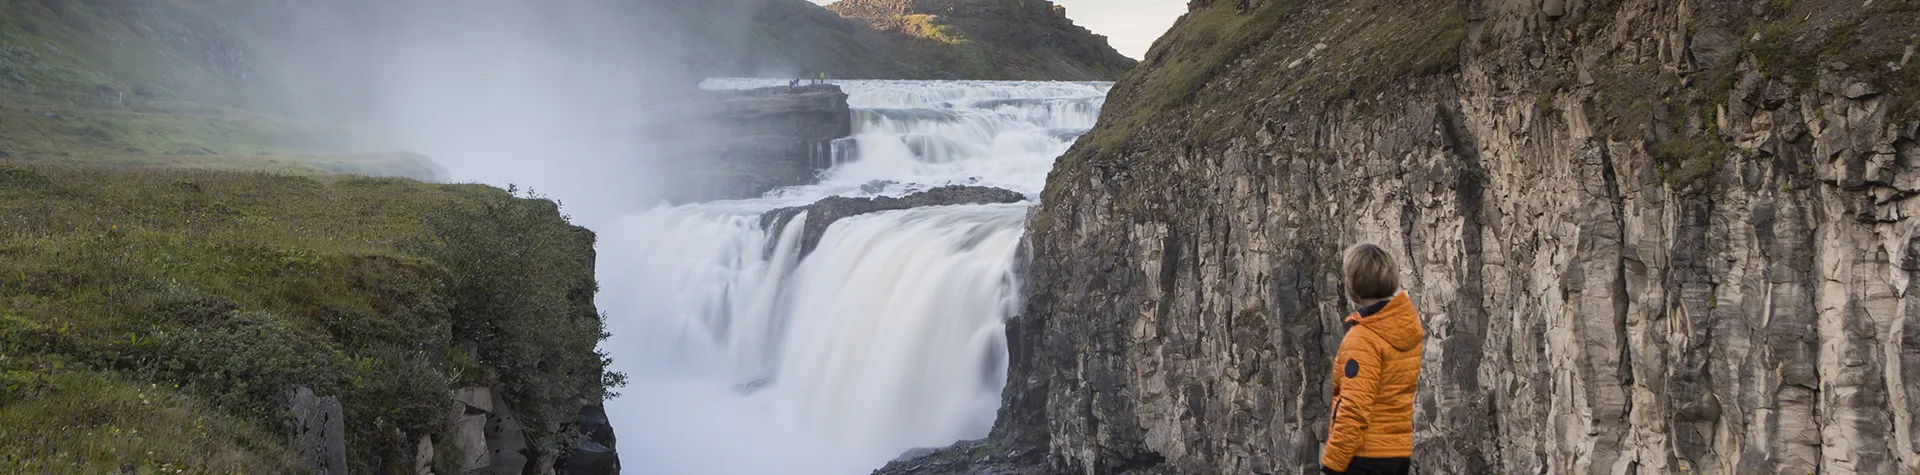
[(746, 358)]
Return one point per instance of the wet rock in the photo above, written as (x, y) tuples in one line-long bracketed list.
[(596, 455), (876, 186), (589, 458), (822, 214), (751, 387)]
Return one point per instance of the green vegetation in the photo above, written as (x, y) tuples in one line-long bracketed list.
[(1208, 41), (1686, 161), (156, 84), (61, 420), (1364, 51), (950, 42), (210, 294), (110, 54)]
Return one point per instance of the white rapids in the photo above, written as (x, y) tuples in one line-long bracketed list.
[(746, 359)]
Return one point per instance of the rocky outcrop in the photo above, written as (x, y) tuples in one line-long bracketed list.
[(970, 457), (993, 39), (1646, 237), (319, 432), (490, 440), (741, 144), (822, 214), (596, 454)]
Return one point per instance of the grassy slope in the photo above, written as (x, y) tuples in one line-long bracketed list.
[(154, 83), (943, 50), (1185, 74), (156, 317)]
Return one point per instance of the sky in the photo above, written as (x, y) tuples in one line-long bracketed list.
[(1131, 25)]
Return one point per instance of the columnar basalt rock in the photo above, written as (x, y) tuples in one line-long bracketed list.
[(1646, 237)]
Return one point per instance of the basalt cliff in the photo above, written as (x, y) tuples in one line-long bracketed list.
[(1645, 237)]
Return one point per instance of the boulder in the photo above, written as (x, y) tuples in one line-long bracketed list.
[(506, 440), (476, 399), (470, 436), (320, 432), (423, 456)]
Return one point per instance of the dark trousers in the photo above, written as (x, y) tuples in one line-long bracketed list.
[(1371, 466)]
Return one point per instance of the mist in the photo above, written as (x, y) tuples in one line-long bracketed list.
[(546, 96), (557, 97)]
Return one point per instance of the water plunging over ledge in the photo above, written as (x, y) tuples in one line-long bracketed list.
[(746, 358)]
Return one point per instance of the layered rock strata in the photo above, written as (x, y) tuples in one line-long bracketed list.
[(1645, 237)]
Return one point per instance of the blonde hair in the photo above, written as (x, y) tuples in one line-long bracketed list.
[(1371, 273)]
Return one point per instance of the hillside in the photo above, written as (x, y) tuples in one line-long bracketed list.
[(1645, 237), (162, 318), (992, 39), (165, 84), (313, 87)]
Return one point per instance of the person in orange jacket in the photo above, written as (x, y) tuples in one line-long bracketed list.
[(1375, 372)]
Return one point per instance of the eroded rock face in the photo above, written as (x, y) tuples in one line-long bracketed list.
[(972, 457), (1634, 252), (595, 455), (822, 214)]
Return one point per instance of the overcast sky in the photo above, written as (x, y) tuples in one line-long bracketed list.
[(1131, 25)]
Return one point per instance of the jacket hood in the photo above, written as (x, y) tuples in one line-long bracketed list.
[(1397, 323)]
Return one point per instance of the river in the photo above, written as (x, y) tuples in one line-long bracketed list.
[(744, 358)]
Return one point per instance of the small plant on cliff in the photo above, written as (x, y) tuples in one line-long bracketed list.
[(1683, 162)]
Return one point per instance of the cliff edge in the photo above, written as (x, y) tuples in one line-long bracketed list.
[(1653, 237), (154, 321)]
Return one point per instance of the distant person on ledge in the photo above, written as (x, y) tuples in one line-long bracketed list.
[(1375, 373)]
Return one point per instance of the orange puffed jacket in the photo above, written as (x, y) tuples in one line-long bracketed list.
[(1374, 377)]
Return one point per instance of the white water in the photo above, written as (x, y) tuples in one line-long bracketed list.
[(746, 359)]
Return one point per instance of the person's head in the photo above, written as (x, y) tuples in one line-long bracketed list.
[(1371, 274)]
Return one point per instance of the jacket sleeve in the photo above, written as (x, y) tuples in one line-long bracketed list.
[(1354, 402)]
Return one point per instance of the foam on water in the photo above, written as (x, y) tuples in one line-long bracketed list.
[(745, 357)]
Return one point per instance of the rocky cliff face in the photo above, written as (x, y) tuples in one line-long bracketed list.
[(741, 144), (993, 39), (1645, 237)]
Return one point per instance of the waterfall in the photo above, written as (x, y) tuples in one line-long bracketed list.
[(746, 357)]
